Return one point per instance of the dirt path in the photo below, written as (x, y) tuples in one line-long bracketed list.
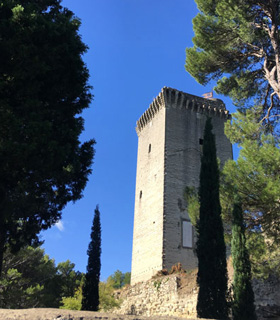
[(59, 314)]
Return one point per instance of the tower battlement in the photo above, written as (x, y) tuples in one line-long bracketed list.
[(172, 98)]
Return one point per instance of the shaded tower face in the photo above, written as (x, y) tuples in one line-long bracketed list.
[(170, 139)]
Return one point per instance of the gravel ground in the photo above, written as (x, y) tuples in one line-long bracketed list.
[(60, 314)]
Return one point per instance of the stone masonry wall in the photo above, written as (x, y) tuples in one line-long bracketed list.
[(176, 295), (169, 149), (183, 149), (148, 213), (267, 297), (159, 296)]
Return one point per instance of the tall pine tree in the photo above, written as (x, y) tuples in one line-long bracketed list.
[(90, 300), (236, 43), (243, 304), (211, 249), (43, 91)]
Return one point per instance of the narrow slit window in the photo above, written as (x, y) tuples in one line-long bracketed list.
[(150, 148), (140, 195), (201, 142)]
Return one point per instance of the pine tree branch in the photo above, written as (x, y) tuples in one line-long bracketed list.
[(266, 96), (267, 116)]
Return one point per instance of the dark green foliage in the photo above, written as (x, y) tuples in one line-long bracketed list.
[(126, 278), (28, 280), (69, 279), (119, 279), (191, 197), (211, 250), (31, 279), (43, 90), (90, 300), (255, 178), (243, 295), (236, 43)]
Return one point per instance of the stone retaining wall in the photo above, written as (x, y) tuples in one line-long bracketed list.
[(267, 297), (171, 297), (176, 295), (168, 295)]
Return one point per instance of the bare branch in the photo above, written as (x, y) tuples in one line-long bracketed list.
[(269, 109), (262, 26), (273, 116), (271, 76), (266, 96)]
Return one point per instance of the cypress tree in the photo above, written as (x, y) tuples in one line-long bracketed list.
[(90, 300), (243, 295), (211, 249)]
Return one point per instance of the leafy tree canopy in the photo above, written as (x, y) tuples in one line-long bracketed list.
[(107, 300), (255, 174), (26, 278), (236, 43), (69, 278), (255, 178), (43, 90), (119, 279), (31, 279), (74, 302)]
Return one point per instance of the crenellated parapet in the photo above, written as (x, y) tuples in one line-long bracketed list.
[(172, 98), (153, 109)]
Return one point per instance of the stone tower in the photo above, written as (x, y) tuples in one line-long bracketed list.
[(170, 138)]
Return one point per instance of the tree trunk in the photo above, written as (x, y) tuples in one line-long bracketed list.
[(3, 234), (2, 245)]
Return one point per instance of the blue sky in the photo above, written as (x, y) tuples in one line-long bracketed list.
[(136, 47)]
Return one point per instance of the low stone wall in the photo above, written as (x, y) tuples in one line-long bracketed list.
[(267, 297), (176, 295), (171, 295)]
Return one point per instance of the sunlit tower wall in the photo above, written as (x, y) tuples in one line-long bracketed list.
[(170, 140)]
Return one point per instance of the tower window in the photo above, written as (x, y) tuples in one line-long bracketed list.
[(150, 148), (140, 195), (187, 234), (201, 142)]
